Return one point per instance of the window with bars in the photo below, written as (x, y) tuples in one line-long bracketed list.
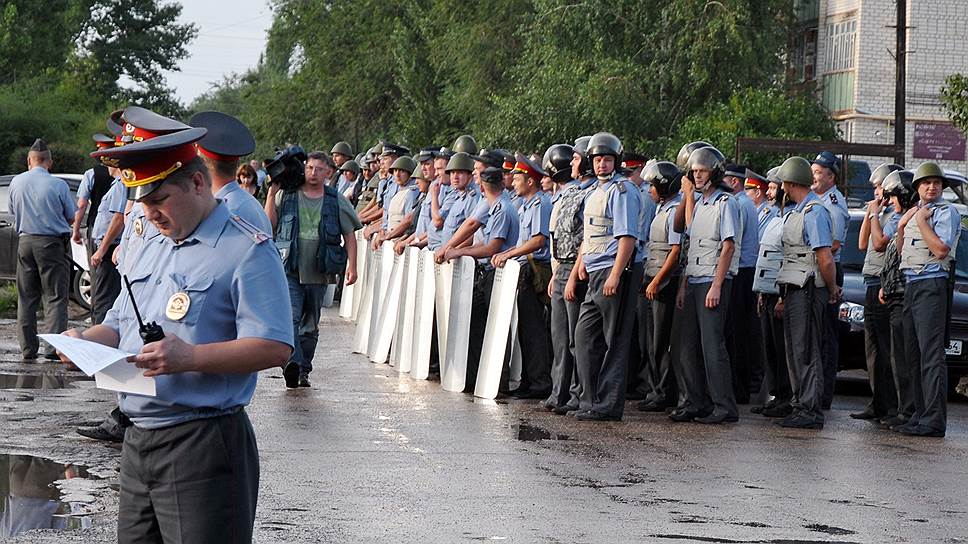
[(841, 45)]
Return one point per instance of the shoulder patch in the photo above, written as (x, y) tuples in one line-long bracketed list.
[(621, 186), (250, 230), (833, 198)]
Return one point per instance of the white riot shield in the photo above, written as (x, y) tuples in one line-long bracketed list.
[(364, 263), (443, 277), (408, 306), (362, 336), (514, 379), (454, 374), (423, 320), (388, 311), (349, 300), (381, 283), (503, 299), (398, 319)]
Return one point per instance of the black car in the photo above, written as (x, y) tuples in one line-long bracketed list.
[(80, 282), (852, 309)]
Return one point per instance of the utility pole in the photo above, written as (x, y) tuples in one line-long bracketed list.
[(900, 85)]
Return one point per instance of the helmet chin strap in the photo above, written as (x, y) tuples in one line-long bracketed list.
[(605, 177)]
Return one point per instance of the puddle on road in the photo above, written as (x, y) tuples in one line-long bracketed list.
[(694, 538), (530, 433), (30, 498), (47, 380)]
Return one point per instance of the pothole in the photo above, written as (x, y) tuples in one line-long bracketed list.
[(39, 495)]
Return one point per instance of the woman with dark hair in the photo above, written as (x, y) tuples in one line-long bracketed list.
[(247, 178)]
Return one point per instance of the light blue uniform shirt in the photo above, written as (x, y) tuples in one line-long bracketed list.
[(750, 242), (534, 218), (514, 199), (241, 203), (764, 212), (463, 205), (41, 204), (946, 224), (482, 210), (86, 185), (817, 226), (447, 197), (623, 208), (230, 298), (424, 218), (675, 238), (729, 221), (502, 222), (111, 203), (889, 228), (389, 192), (646, 215), (836, 204)]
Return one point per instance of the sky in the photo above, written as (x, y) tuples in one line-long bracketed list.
[(231, 36)]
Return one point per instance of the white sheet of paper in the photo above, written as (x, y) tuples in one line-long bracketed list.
[(108, 365), (79, 255)]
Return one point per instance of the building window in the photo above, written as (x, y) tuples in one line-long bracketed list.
[(841, 45), (805, 55)]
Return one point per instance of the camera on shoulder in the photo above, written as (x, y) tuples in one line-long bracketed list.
[(287, 168)]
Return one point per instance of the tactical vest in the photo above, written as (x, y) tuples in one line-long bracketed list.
[(417, 210), (368, 193), (799, 259), (705, 240), (874, 260), (770, 258), (659, 246), (103, 180), (598, 227), (396, 212), (915, 255), (330, 256), (566, 226)]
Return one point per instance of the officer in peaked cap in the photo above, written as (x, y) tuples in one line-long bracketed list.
[(140, 124), (756, 187), (227, 141), (190, 462)]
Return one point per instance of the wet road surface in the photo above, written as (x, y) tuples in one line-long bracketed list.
[(368, 456)]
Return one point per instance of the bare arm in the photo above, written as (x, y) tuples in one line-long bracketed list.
[(78, 215), (241, 356), (270, 206), (478, 251)]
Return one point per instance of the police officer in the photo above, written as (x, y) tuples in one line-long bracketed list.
[(105, 235), (189, 466), (927, 237), (441, 197), (460, 168), (42, 211), (632, 165), (349, 180), (227, 141), (368, 182), (565, 228), (400, 210), (342, 152), (879, 225), (417, 235), (807, 279), (312, 253), (662, 275), (757, 188), (607, 256), (534, 256), (825, 169), (704, 294)]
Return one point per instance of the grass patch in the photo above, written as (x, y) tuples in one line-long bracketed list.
[(8, 299)]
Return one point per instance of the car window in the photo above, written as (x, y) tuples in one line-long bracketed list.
[(4, 196), (851, 257), (859, 190), (961, 256)]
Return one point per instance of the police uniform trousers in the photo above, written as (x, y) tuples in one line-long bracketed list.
[(925, 310), (307, 302), (565, 385), (743, 339), (877, 349), (830, 343), (534, 332), (105, 286), (602, 334), (480, 304), (641, 360), (804, 310), (708, 374), (901, 368), (658, 378), (195, 482), (774, 352), (43, 272)]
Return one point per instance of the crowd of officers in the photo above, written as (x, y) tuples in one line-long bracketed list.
[(691, 286)]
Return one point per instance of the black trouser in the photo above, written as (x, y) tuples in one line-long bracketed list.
[(901, 368), (658, 377), (703, 349), (640, 359), (803, 314), (193, 482), (534, 334), (774, 348), (925, 310), (877, 348), (483, 281), (43, 272), (105, 286), (565, 386), (831, 345), (743, 340), (602, 342)]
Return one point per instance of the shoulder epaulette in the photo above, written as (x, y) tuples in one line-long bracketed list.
[(250, 230)]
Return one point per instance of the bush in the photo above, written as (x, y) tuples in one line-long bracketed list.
[(8, 299)]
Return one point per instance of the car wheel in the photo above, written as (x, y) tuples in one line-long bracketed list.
[(81, 289)]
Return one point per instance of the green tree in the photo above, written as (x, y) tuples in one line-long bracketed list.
[(954, 97)]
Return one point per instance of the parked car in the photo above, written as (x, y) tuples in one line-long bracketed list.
[(852, 309), (80, 282), (858, 189)]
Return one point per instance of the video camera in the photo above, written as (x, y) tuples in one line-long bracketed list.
[(287, 168)]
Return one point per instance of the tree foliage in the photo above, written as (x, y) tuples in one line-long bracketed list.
[(954, 97)]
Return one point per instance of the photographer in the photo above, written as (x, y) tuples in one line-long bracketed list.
[(305, 217)]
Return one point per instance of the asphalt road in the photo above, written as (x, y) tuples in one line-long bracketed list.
[(368, 456)]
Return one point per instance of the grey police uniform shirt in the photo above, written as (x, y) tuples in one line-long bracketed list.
[(646, 215), (446, 198), (836, 205), (534, 218), (764, 213), (749, 245), (41, 204), (241, 203), (622, 207), (229, 299), (729, 225), (502, 222), (460, 209), (114, 201)]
